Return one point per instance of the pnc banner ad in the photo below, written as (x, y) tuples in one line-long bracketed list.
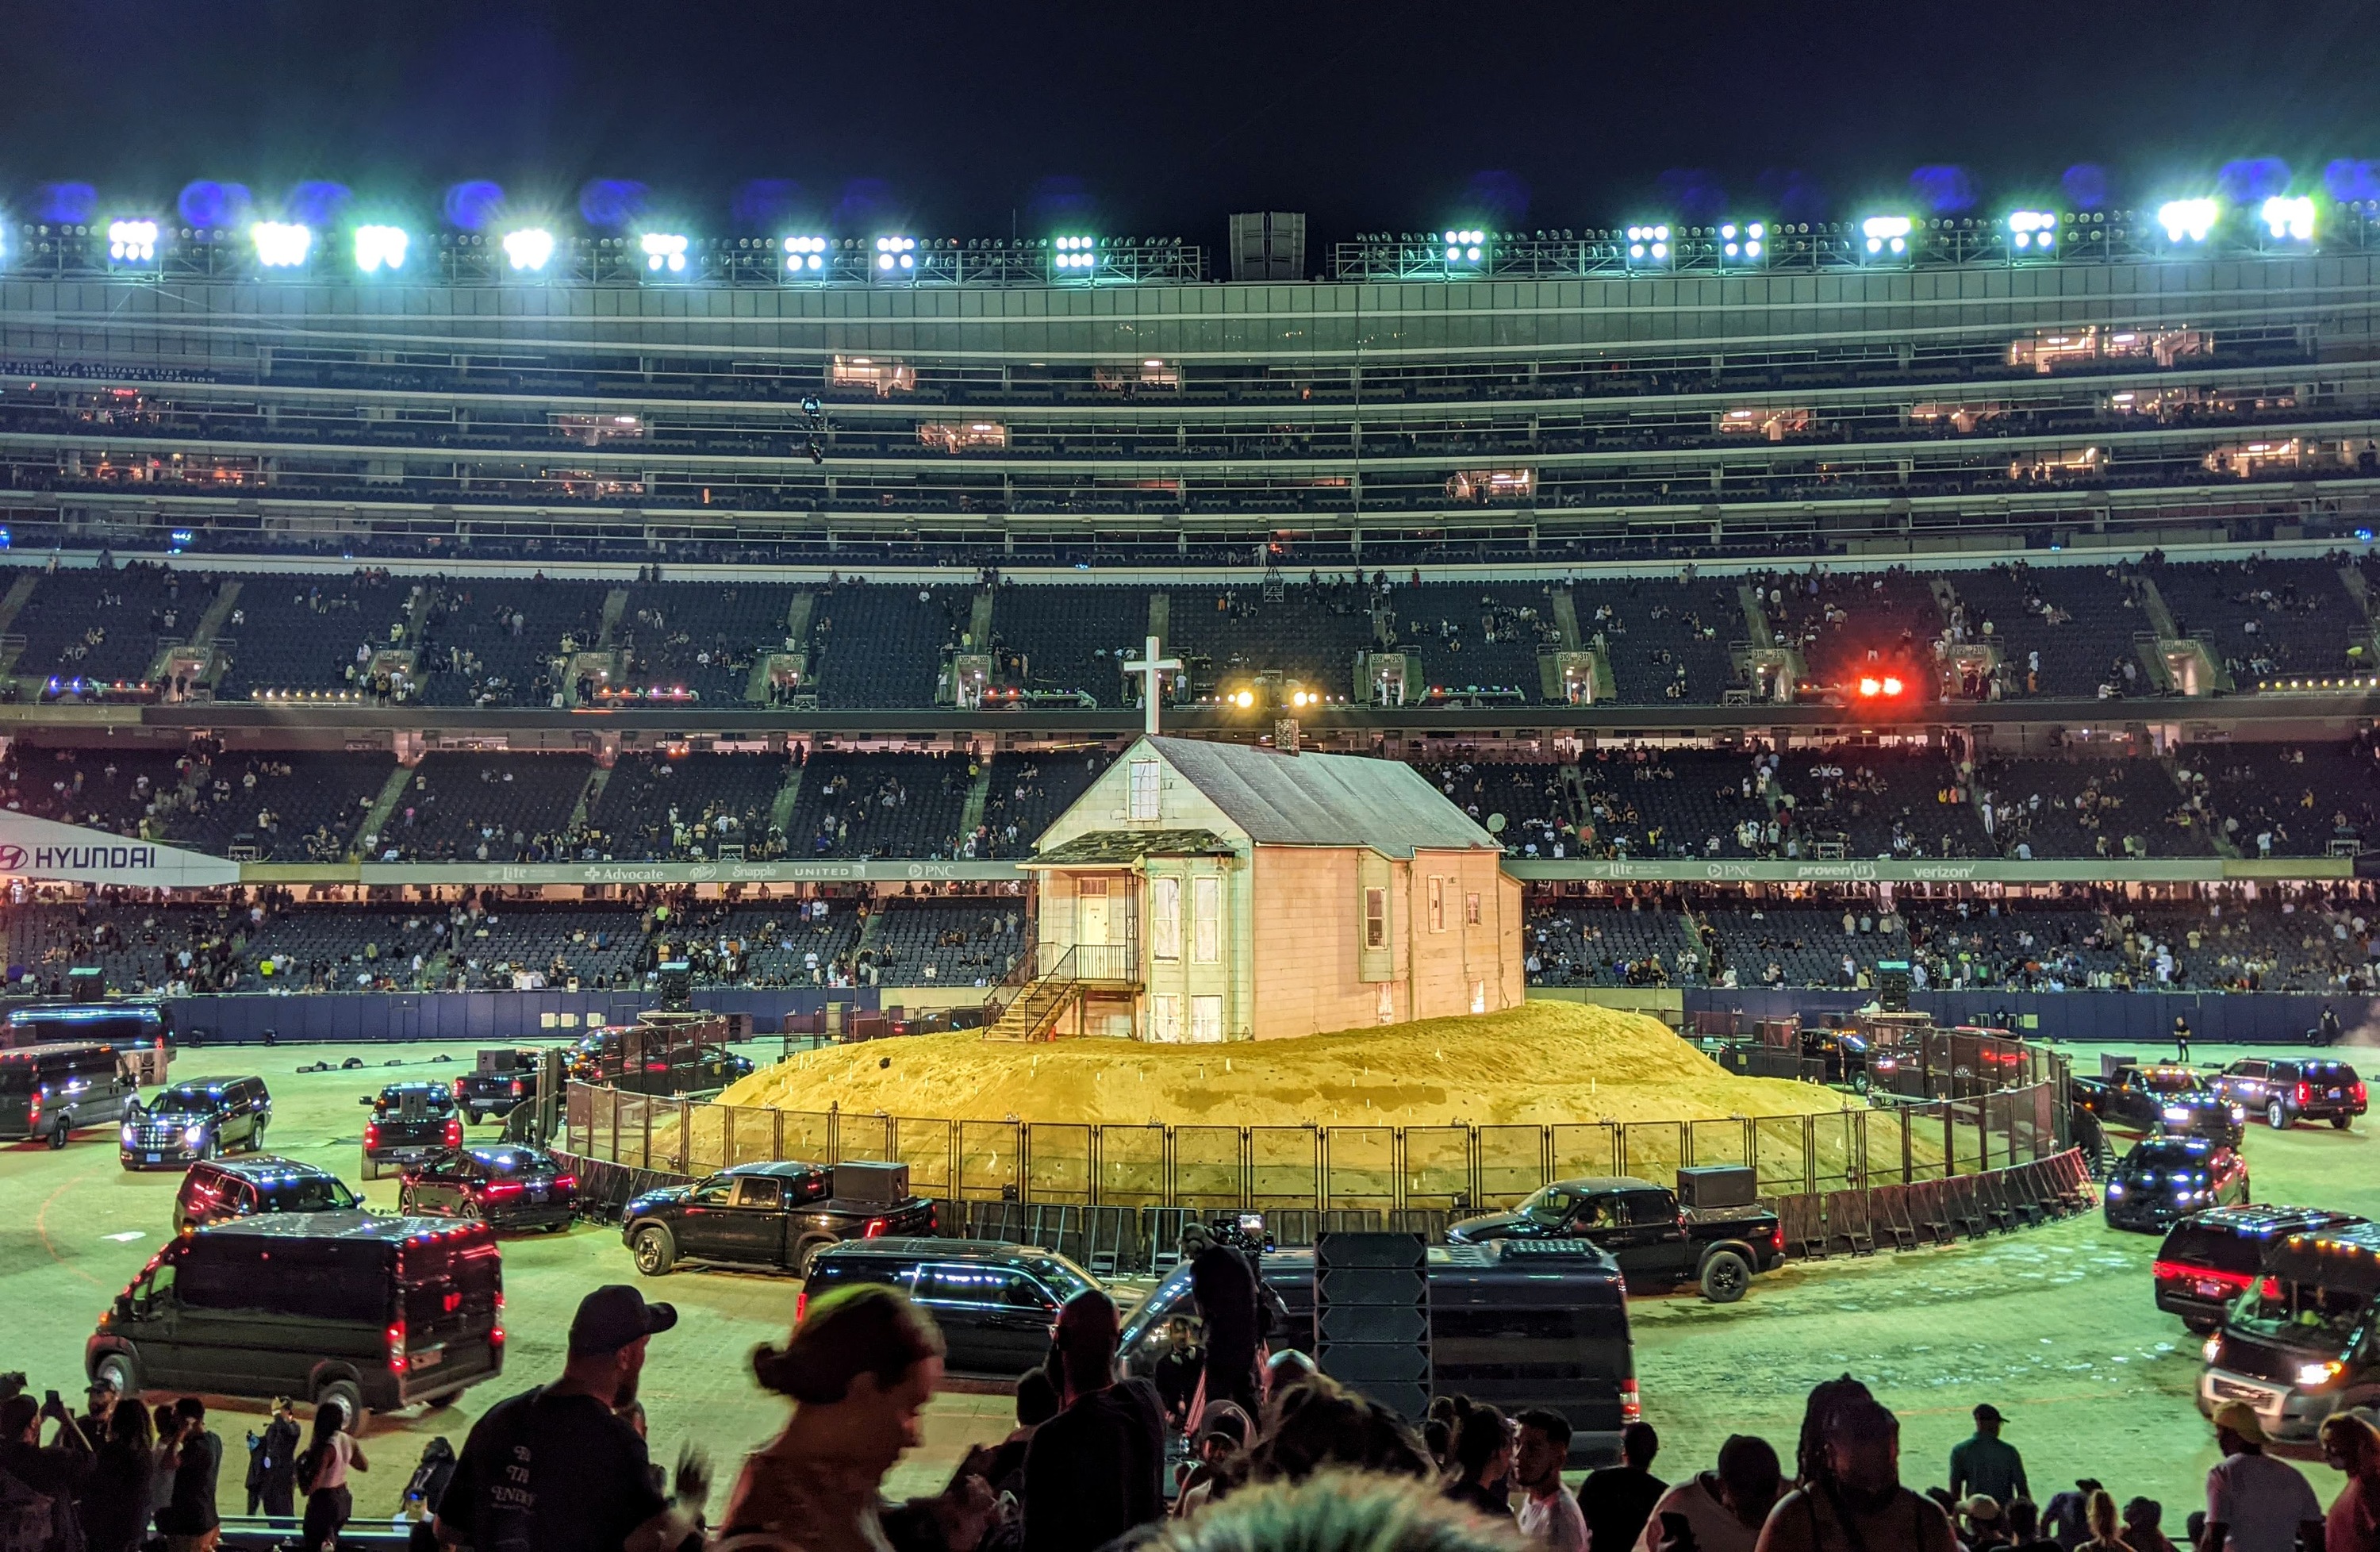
[(32, 848)]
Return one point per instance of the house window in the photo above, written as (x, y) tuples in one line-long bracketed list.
[(1376, 919), (1388, 1003), (1206, 1018), (1207, 920), (1165, 1018), (1144, 792), (1437, 904), (1165, 920), (1471, 910)]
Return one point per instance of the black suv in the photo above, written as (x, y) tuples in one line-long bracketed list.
[(48, 1090), (2286, 1091), (2209, 1259), (410, 1122), (777, 1215), (216, 1191), (195, 1120), (996, 1304), (2207, 1115), (2166, 1179)]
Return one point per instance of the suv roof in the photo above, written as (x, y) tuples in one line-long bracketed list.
[(998, 1252), (782, 1168), (1606, 1183), (267, 1167), (2264, 1222), (54, 1049), (353, 1224), (209, 1083), (426, 1086)]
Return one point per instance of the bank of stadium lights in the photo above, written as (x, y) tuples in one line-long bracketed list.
[(2032, 231), (1073, 254), (2188, 219), (2289, 217), (1745, 243), (1648, 244), (280, 245), (1463, 245), (381, 247), (664, 253), (1885, 235), (804, 255), (897, 253), (132, 242), (528, 250)]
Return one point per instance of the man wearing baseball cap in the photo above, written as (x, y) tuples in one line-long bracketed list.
[(1983, 1464), (2254, 1502), (555, 1469)]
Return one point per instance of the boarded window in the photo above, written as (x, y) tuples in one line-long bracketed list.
[(1207, 920), (1471, 910), (1388, 1003), (1144, 794), (1165, 920), (1165, 1018), (1437, 904), (1376, 919), (1206, 1018), (1479, 997)]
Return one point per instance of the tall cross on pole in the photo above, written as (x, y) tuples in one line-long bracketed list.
[(1151, 670)]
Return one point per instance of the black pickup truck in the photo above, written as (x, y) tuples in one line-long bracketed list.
[(1657, 1244), (2134, 1098), (775, 1215), (504, 1077)]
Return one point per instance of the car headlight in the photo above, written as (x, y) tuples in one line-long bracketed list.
[(132, 1135), (2314, 1376), (2116, 1189), (2238, 1113), (195, 1136), (2214, 1347)]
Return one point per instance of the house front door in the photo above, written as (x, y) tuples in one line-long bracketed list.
[(1091, 911)]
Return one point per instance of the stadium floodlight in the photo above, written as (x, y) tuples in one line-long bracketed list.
[(1649, 243), (132, 242), (2289, 217), (664, 250), (2188, 219), (1074, 253), (1885, 234), (805, 253), (280, 245), (1463, 244), (1744, 242), (2032, 231), (381, 247), (897, 253), (528, 249)]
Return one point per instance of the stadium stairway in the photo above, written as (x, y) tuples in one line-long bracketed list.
[(781, 808), (979, 786), (615, 604), (392, 792), (590, 793)]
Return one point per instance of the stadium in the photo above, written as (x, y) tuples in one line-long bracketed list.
[(1749, 581), (1126, 729)]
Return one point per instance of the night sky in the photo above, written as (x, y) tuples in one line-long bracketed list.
[(964, 121)]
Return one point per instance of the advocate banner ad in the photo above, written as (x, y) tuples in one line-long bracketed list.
[(32, 848)]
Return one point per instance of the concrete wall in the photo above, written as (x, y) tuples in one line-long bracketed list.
[(492, 1016)]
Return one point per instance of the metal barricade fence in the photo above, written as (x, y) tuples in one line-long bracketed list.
[(1379, 1170)]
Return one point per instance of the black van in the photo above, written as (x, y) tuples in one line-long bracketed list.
[(2300, 1343), (216, 1191), (348, 1306), (1519, 1323), (997, 1304), (48, 1090)]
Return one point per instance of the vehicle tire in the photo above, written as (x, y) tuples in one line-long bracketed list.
[(2275, 1117), (212, 1148), (656, 1252), (2199, 1325), (404, 1203), (256, 1139), (58, 1129), (345, 1393), (2341, 1122), (1859, 1083), (806, 1253), (1726, 1275), (121, 1368)]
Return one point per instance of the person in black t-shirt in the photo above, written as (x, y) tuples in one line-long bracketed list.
[(1178, 1371), (1095, 1469), (555, 1470), (1224, 1287), (1617, 1499)]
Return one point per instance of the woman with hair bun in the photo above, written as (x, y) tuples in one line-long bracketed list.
[(858, 1369)]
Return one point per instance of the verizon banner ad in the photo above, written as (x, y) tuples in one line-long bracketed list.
[(32, 848)]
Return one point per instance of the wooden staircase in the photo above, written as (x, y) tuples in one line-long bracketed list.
[(1030, 1006)]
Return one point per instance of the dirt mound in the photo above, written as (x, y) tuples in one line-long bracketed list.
[(1540, 1063)]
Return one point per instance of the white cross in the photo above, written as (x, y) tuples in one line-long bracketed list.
[(1151, 670)]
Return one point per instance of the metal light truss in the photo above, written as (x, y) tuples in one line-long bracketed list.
[(2084, 237), (477, 259)]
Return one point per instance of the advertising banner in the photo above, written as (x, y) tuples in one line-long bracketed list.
[(32, 848)]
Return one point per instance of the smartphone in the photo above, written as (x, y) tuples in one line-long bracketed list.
[(49, 1399)]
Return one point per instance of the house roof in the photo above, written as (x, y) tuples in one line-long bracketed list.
[(1097, 847), (1323, 800)]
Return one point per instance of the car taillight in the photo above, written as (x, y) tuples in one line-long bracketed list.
[(397, 1348), (1777, 1238), (454, 1134), (34, 1113), (2359, 1091), (458, 1088), (2177, 1271), (1632, 1406), (2305, 1095), (933, 1218), (801, 1304), (565, 1182), (516, 1085), (875, 1228), (498, 1190), (371, 1134)]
